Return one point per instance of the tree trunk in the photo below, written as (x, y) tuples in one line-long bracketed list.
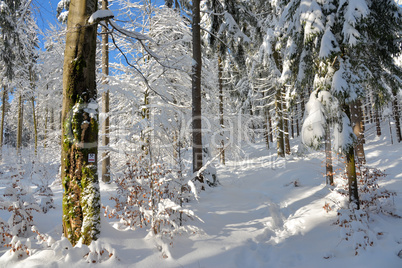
[(397, 118), (297, 121), (351, 175), (271, 136), (356, 122), (19, 125), (351, 168), (280, 146), (266, 126), (328, 157), (81, 197), (377, 121), (35, 124), (196, 90), (3, 115), (286, 128), (364, 119), (221, 121), (46, 126), (105, 101)]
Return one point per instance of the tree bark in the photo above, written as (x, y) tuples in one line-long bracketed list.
[(280, 145), (266, 126), (297, 121), (46, 126), (196, 90), (105, 101), (351, 175), (221, 121), (328, 155), (377, 121), (35, 124), (397, 118), (3, 115), (20, 124), (271, 136), (81, 197), (356, 122), (286, 128), (351, 168)]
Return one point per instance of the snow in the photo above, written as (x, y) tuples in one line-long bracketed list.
[(132, 34), (356, 10), (312, 18), (313, 131), (329, 44), (3, 6), (264, 214), (101, 15)]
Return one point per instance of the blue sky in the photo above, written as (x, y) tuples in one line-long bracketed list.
[(46, 12)]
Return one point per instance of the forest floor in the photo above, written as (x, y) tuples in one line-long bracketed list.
[(265, 213)]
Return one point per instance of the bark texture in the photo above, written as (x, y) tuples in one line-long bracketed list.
[(196, 89), (3, 114), (81, 197), (105, 101)]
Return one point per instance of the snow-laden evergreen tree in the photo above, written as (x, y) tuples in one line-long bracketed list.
[(340, 33)]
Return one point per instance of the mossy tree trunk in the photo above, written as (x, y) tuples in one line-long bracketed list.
[(81, 197), (105, 101)]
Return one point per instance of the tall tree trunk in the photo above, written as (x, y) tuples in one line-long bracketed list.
[(105, 101), (32, 85), (292, 129), (286, 128), (351, 168), (356, 122), (371, 107), (3, 115), (46, 126), (196, 90), (271, 136), (397, 118), (20, 123), (297, 120), (377, 121), (328, 157), (266, 126), (52, 127), (364, 119), (221, 121), (280, 145), (35, 124), (80, 123)]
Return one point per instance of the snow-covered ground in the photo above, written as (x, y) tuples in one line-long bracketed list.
[(265, 213)]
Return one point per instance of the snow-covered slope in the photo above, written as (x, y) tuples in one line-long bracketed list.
[(265, 213)]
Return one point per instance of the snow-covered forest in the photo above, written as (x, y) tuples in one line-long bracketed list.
[(203, 133)]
